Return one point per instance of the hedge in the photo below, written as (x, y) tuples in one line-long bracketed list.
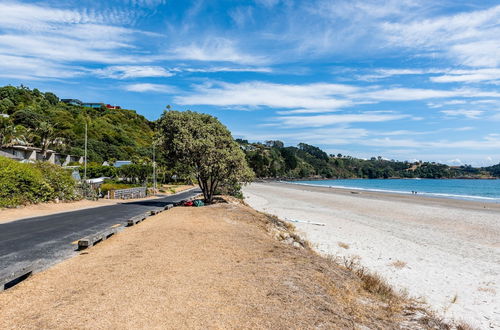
[(22, 183)]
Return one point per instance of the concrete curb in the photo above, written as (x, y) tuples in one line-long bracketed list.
[(16, 277), (135, 220), (92, 240)]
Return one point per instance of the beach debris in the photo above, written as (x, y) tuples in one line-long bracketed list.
[(305, 221), (198, 203)]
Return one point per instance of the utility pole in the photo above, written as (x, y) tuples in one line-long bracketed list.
[(85, 159), (154, 168)]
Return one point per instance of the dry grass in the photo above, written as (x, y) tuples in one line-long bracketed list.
[(343, 245), (398, 264)]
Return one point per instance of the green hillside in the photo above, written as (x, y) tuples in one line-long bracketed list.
[(274, 160), (41, 120)]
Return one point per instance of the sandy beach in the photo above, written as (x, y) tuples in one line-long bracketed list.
[(443, 251)]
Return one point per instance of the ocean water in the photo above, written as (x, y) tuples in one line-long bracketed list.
[(479, 190)]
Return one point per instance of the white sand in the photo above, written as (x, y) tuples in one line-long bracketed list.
[(449, 250)]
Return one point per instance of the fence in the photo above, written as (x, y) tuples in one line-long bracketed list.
[(129, 193)]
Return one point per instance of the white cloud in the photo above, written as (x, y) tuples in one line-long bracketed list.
[(471, 38), (471, 114), (469, 76), (214, 69), (58, 37), (326, 120), (133, 71), (32, 68), (156, 88), (413, 94), (256, 94), (214, 50)]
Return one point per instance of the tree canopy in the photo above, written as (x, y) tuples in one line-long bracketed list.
[(200, 145)]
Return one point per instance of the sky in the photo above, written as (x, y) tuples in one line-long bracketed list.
[(402, 79)]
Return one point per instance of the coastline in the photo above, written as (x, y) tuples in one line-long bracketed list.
[(402, 196), (444, 251)]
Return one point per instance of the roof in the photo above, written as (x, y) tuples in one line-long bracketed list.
[(120, 163), (97, 180)]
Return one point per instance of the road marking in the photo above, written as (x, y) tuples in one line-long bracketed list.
[(117, 225)]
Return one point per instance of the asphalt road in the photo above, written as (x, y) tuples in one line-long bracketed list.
[(48, 239)]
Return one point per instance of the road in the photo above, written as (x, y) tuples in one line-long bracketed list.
[(49, 239)]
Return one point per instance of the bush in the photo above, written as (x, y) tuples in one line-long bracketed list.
[(33, 183), (59, 179)]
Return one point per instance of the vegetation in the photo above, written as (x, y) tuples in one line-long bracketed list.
[(199, 145), (41, 120), (273, 160), (34, 183)]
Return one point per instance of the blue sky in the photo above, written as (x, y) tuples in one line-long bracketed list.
[(406, 79)]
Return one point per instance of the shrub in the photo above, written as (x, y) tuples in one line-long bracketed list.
[(33, 183), (59, 179)]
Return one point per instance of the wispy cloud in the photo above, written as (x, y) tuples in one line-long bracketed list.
[(471, 114), (326, 120), (257, 94), (214, 49), (471, 38), (469, 76), (133, 71), (156, 88)]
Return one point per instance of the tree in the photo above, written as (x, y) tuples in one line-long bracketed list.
[(204, 148)]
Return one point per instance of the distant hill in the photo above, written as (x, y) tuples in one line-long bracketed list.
[(273, 160), (42, 120)]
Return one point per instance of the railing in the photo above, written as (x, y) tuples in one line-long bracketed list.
[(139, 192)]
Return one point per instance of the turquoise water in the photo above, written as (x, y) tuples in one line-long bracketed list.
[(480, 190)]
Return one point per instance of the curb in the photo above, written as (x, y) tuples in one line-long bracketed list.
[(92, 240), (16, 277)]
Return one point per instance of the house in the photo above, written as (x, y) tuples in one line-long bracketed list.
[(109, 106), (27, 154), (93, 105), (72, 102)]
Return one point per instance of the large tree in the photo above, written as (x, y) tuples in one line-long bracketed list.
[(199, 145)]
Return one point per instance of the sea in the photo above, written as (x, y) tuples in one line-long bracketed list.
[(476, 190)]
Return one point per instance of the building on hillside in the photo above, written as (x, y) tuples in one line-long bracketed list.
[(72, 102), (120, 163), (27, 154), (9, 155), (93, 105)]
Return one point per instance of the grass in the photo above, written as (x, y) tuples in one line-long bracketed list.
[(398, 264), (343, 245)]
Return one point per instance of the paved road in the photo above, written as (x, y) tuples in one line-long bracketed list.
[(48, 239)]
